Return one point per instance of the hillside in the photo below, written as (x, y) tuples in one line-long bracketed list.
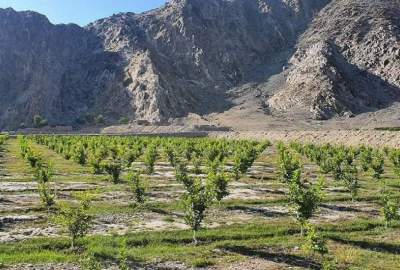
[(309, 58)]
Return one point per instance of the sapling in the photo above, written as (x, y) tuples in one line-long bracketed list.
[(137, 186), (390, 209), (218, 183), (314, 242), (195, 202), (79, 155), (47, 195), (350, 180), (76, 219), (366, 158), (304, 198), (395, 159), (289, 165), (150, 157), (113, 168), (377, 165)]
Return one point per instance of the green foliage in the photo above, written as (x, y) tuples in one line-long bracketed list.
[(304, 198), (90, 262), (76, 218), (195, 202), (94, 160), (47, 194), (100, 120), (124, 120), (79, 154), (289, 165), (350, 180), (390, 209), (137, 186), (366, 158), (394, 157), (39, 122), (314, 242), (218, 183), (113, 168), (377, 164), (150, 157)]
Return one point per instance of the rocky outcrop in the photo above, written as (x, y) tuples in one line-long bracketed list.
[(347, 62), (186, 56)]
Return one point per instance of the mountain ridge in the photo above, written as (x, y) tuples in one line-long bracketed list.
[(186, 57)]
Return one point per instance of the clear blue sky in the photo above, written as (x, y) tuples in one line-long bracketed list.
[(81, 12)]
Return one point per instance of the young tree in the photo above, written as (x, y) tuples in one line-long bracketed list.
[(390, 209), (47, 195), (304, 198), (195, 202), (113, 168), (315, 242), (350, 180), (218, 184), (377, 165), (137, 186), (289, 165), (79, 154), (394, 156), (150, 157), (366, 158), (76, 219)]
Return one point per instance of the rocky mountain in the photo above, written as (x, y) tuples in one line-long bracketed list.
[(189, 55), (347, 62)]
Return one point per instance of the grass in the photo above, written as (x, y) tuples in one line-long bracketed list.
[(355, 244)]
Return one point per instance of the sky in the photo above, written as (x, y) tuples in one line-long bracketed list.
[(80, 12)]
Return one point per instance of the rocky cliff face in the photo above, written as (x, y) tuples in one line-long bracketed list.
[(347, 62), (186, 56)]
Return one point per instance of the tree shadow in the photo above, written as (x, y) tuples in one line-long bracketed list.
[(258, 211), (277, 257), (341, 208), (373, 246)]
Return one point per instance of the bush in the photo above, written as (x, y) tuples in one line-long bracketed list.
[(100, 120), (390, 209), (289, 165), (377, 164), (39, 122), (76, 218), (150, 157), (218, 185), (138, 188), (304, 197), (195, 202), (113, 168), (124, 120)]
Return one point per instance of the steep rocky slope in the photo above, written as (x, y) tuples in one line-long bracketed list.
[(164, 63), (347, 62), (59, 72), (196, 56)]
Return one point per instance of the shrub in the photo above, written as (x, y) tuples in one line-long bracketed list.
[(39, 122), (47, 195), (218, 185), (289, 165), (137, 186), (76, 218), (195, 202), (124, 120), (150, 157), (113, 168), (304, 197), (100, 120), (390, 209), (314, 242), (377, 165)]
